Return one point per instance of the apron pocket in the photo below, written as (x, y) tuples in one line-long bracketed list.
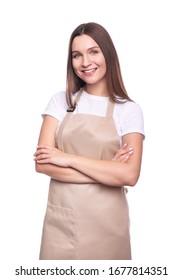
[(59, 234)]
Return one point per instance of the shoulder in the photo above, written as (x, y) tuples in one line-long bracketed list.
[(59, 97), (130, 116), (129, 108), (56, 106)]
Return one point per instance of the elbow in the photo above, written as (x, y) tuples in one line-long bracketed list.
[(132, 183), (128, 175), (132, 179), (38, 168)]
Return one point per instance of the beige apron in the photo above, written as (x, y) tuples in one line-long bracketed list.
[(86, 221)]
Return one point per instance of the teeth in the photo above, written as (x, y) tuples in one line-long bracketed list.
[(88, 71)]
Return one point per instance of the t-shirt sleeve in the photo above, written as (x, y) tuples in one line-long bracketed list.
[(133, 119), (56, 106)]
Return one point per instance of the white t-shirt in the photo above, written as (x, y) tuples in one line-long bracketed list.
[(128, 116)]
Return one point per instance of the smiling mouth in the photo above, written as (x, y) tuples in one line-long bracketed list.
[(89, 71)]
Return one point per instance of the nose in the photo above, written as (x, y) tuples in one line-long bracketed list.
[(86, 61)]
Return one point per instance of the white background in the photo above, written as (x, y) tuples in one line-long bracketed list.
[(33, 53)]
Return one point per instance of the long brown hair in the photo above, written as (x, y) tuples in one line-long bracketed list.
[(114, 79)]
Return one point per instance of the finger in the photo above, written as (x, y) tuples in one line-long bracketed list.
[(124, 152), (124, 145), (124, 157), (41, 157), (42, 151), (42, 161), (123, 148), (44, 147)]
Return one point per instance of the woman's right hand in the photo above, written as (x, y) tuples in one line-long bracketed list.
[(123, 154)]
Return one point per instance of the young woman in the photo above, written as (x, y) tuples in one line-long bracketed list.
[(90, 144)]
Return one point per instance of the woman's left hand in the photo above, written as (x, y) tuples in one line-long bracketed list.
[(123, 154), (47, 154)]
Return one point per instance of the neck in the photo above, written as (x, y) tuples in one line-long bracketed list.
[(99, 90)]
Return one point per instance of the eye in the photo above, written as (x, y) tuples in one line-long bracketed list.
[(76, 55), (94, 51)]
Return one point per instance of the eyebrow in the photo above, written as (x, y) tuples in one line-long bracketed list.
[(94, 47)]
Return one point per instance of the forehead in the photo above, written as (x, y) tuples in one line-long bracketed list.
[(83, 42)]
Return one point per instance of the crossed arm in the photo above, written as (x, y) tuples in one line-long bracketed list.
[(123, 169)]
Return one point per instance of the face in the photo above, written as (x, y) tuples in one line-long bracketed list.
[(88, 60)]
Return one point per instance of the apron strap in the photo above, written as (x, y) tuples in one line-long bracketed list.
[(110, 108), (71, 109), (78, 96), (69, 113)]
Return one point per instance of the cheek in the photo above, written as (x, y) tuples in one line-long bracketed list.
[(75, 68), (74, 65), (102, 62)]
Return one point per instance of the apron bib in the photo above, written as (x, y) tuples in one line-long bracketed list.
[(86, 221)]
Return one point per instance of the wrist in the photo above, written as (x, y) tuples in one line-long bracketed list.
[(73, 161)]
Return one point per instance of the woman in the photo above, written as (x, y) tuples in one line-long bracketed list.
[(90, 152)]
